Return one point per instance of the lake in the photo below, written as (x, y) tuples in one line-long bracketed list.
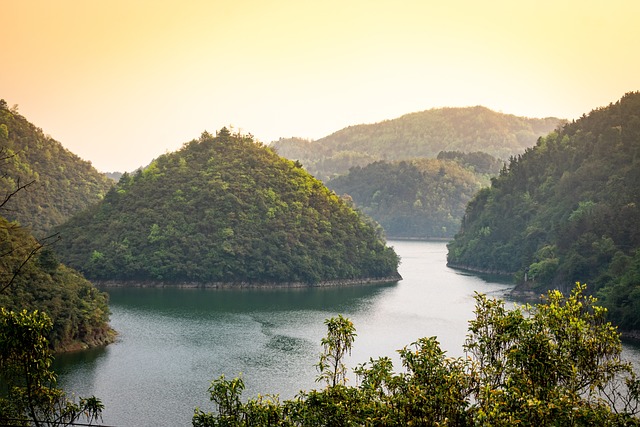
[(173, 342)]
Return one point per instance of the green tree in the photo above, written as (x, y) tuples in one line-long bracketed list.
[(337, 344), (557, 363), (565, 210), (552, 364), (28, 392)]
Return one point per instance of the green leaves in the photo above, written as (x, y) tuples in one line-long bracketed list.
[(337, 344), (556, 363), (577, 192), (28, 392), (547, 363), (78, 311)]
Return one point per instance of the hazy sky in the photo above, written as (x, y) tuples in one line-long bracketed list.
[(120, 82)]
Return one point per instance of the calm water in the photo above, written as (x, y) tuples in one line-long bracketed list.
[(173, 342)]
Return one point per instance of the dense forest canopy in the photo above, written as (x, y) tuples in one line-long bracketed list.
[(78, 311), (41, 184), (63, 184), (567, 210), (422, 134), (420, 198), (224, 209)]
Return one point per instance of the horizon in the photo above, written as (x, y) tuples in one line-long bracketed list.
[(119, 84)]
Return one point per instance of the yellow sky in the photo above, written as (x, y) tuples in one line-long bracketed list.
[(119, 82)]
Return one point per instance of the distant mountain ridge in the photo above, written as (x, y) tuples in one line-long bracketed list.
[(416, 135), (63, 183)]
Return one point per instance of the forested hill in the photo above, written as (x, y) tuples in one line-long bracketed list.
[(32, 279), (420, 198), (225, 209), (422, 134), (567, 210), (62, 183)]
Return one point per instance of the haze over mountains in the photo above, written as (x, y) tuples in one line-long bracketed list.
[(417, 135), (417, 197)]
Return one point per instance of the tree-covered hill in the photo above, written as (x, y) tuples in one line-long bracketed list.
[(420, 198), (567, 210), (31, 278), (224, 209), (422, 134), (63, 184)]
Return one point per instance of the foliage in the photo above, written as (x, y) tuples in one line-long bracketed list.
[(417, 135), (568, 209), (418, 198), (478, 161), (556, 363), (32, 278), (28, 392), (224, 209), (337, 343), (61, 183)]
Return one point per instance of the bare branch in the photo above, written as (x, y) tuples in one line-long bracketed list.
[(47, 241), (13, 192)]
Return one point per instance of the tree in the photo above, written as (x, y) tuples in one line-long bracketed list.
[(557, 362), (553, 364), (337, 344), (28, 391), (28, 249)]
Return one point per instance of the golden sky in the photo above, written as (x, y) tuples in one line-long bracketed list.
[(120, 82)]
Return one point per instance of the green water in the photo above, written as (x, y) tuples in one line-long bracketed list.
[(173, 342)]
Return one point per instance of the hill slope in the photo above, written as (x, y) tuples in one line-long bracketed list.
[(422, 134), (567, 210), (224, 209), (420, 198), (78, 310), (63, 184)]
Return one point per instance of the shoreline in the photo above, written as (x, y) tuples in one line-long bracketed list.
[(106, 336), (479, 270), (420, 239), (243, 285)]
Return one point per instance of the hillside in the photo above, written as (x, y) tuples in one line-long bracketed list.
[(63, 184), (224, 209), (422, 134), (78, 310), (420, 198), (567, 210)]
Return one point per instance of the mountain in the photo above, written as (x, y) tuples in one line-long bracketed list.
[(566, 210), (422, 134), (60, 183), (419, 198), (228, 210), (31, 278)]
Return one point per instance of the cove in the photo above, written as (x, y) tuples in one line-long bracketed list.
[(173, 342)]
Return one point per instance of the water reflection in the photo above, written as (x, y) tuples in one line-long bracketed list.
[(173, 342), (193, 302)]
